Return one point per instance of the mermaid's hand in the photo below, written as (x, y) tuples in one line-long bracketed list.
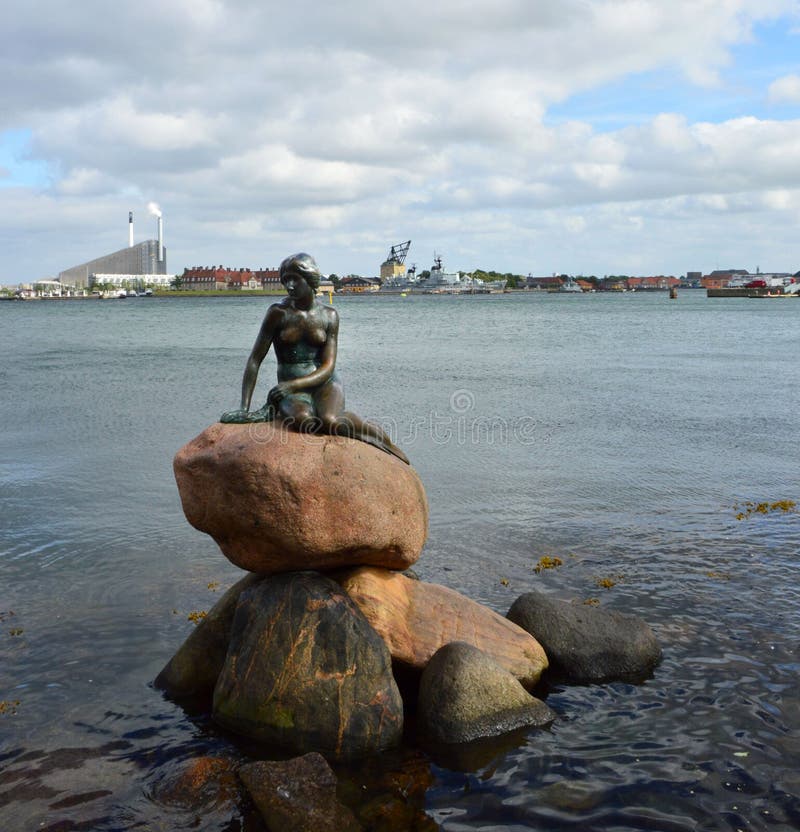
[(246, 417), (279, 392)]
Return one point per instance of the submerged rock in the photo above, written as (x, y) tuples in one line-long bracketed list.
[(465, 696), (202, 784), (588, 644), (194, 668), (276, 500), (297, 795), (416, 618), (304, 670), (388, 795)]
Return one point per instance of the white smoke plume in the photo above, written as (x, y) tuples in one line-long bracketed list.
[(153, 208)]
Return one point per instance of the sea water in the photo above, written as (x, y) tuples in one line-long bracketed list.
[(623, 435)]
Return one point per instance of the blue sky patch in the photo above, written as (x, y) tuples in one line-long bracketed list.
[(17, 166), (743, 88)]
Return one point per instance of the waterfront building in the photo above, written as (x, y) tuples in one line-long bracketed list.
[(132, 281), (140, 259), (551, 284), (205, 278), (719, 278), (651, 283), (50, 288), (268, 278), (356, 285), (217, 278), (243, 279)]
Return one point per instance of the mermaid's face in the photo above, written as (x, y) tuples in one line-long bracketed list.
[(296, 285)]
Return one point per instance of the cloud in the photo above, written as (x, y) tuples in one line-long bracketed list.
[(258, 126), (785, 90), (575, 223)]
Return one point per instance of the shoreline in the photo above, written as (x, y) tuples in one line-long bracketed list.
[(215, 295)]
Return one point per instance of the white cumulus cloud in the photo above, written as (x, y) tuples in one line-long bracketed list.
[(785, 90)]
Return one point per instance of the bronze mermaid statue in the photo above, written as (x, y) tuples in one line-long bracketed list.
[(309, 396)]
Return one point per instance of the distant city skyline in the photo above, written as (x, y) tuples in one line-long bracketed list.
[(581, 136)]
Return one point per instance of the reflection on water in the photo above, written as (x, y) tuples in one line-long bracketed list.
[(646, 421)]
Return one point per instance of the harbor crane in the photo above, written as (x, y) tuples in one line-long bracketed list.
[(399, 252), (394, 265)]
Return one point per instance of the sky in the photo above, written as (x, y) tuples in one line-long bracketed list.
[(636, 137)]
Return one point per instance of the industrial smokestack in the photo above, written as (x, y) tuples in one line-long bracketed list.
[(153, 208), (130, 229)]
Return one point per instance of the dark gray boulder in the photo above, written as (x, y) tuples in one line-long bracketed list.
[(588, 644), (304, 670), (464, 695), (194, 668), (297, 795)]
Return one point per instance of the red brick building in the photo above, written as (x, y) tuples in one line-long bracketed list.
[(720, 279), (243, 279), (215, 278), (268, 278), (651, 283), (546, 283), (208, 278)]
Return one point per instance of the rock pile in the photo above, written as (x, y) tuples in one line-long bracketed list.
[(307, 661)]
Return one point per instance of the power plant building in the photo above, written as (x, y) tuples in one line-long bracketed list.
[(140, 259)]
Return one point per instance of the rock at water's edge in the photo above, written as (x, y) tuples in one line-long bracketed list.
[(297, 795), (416, 618), (194, 668), (465, 696), (305, 671), (276, 500), (587, 644)]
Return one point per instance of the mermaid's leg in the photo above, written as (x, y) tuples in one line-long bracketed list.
[(296, 412)]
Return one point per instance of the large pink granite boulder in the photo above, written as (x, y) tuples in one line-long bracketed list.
[(279, 501), (415, 619)]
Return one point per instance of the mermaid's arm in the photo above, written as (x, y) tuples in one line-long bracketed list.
[(258, 353)]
